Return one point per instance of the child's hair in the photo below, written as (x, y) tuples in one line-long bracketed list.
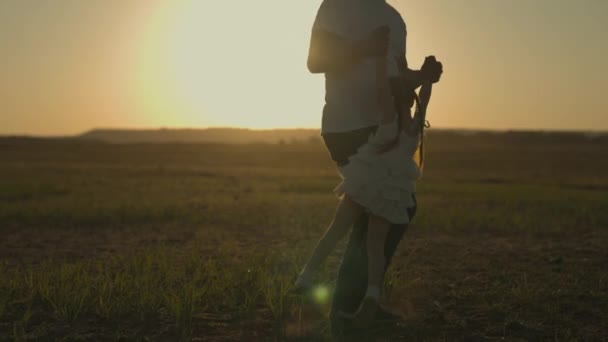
[(422, 124), (418, 124)]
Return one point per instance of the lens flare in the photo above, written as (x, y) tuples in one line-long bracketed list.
[(321, 294)]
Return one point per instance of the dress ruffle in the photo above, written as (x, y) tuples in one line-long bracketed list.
[(383, 183)]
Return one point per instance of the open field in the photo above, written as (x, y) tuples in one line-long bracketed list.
[(201, 241)]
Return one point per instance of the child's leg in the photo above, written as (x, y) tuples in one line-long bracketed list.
[(376, 238), (346, 212), (377, 231)]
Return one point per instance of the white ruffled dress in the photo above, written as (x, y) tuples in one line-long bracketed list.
[(383, 183)]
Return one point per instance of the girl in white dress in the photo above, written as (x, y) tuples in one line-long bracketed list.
[(379, 179)]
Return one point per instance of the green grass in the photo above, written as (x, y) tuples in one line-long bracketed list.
[(187, 242)]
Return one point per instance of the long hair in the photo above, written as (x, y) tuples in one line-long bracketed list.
[(421, 124), (422, 102), (417, 127)]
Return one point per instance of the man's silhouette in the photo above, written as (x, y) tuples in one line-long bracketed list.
[(347, 35)]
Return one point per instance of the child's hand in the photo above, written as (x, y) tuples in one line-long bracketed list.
[(432, 69)]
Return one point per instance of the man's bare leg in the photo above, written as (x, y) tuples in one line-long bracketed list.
[(345, 215)]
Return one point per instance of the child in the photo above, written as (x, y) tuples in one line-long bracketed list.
[(379, 179)]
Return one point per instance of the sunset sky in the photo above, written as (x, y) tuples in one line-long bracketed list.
[(67, 66)]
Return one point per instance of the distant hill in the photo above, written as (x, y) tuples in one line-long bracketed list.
[(216, 135), (248, 136), (436, 137)]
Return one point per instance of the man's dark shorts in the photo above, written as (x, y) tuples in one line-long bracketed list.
[(343, 145)]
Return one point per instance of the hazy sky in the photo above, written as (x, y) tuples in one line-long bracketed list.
[(70, 65)]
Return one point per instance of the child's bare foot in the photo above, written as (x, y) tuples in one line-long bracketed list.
[(365, 315), (302, 285)]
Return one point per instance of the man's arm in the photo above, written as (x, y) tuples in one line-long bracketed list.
[(431, 71), (329, 52), (413, 78), (404, 87)]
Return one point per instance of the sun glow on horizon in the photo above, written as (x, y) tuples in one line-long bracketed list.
[(215, 64)]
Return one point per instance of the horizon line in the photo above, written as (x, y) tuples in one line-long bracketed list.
[(177, 128)]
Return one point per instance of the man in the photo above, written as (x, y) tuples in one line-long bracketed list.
[(347, 35)]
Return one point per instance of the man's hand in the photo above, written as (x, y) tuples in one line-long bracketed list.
[(375, 45), (432, 69)]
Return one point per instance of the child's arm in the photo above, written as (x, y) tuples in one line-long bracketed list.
[(406, 119), (419, 118), (385, 97)]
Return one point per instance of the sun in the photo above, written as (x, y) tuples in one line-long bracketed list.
[(229, 63)]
